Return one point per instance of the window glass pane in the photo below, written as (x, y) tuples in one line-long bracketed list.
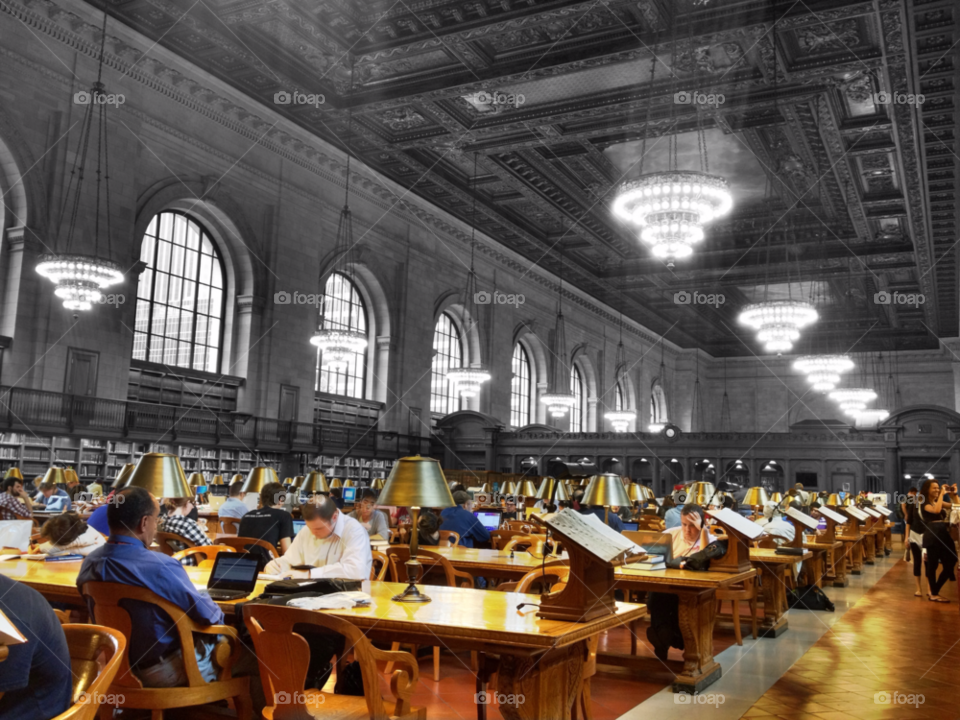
[(203, 330), (151, 230), (173, 294), (188, 296), (166, 225), (206, 266), (576, 412), (193, 236), (520, 388), (143, 288), (146, 249), (213, 332), (156, 348), (139, 346), (163, 256), (190, 264), (447, 353), (160, 287), (343, 308), (159, 319), (179, 230), (213, 360), (216, 279), (176, 260)]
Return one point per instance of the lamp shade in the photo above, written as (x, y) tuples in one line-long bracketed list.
[(546, 489), (486, 488), (55, 475), (639, 493), (258, 477), (287, 482), (13, 472), (70, 475), (849, 501), (527, 489), (297, 481), (833, 500), (314, 482), (509, 488), (701, 493), (606, 489), (349, 483), (217, 480), (196, 480), (237, 478), (377, 484), (336, 483), (756, 497), (123, 477), (776, 497), (416, 482), (161, 475)]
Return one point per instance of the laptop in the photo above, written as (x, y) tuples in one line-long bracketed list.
[(298, 525), (490, 519), (216, 501), (234, 576), (631, 526), (662, 545), (349, 495)]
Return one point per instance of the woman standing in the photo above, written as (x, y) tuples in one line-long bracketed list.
[(936, 536), (913, 537)]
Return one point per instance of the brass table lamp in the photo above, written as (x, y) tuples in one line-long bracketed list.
[(217, 480), (701, 493), (377, 484), (161, 474), (415, 482), (314, 482), (527, 489), (236, 478), (552, 489), (55, 475), (13, 472), (196, 480), (833, 500), (349, 483), (123, 477), (606, 489), (70, 475), (509, 488), (756, 497), (336, 483), (776, 497), (258, 477)]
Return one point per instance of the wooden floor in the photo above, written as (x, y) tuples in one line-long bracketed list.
[(891, 643)]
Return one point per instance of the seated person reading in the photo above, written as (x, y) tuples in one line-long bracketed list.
[(14, 500), (234, 507), (52, 498), (372, 520), (67, 534), (270, 522), (461, 520)]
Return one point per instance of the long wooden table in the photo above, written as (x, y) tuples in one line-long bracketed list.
[(696, 592), (542, 660), (834, 561), (772, 569)]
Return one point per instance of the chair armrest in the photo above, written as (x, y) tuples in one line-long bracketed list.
[(468, 579), (508, 586), (227, 651), (404, 679)]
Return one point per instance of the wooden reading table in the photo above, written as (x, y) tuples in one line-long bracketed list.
[(772, 568)]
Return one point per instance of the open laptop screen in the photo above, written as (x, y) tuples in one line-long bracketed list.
[(349, 495), (299, 525), (234, 571), (490, 519)]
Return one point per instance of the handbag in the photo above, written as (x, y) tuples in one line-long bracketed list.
[(700, 560), (313, 586)]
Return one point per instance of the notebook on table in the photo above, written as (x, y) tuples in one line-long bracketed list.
[(234, 576)]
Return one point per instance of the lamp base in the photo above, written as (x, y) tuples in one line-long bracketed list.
[(411, 595)]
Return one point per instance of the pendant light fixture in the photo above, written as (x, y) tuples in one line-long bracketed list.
[(726, 421), (853, 400), (659, 423), (558, 401), (671, 207), (81, 278), (872, 417), (621, 418), (336, 341), (468, 380)]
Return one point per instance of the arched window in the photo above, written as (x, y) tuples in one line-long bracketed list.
[(447, 353), (180, 298), (658, 404), (619, 399), (576, 387), (343, 308), (521, 390)]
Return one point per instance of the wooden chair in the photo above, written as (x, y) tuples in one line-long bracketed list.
[(170, 543), (62, 615), (209, 553), (385, 567), (531, 543), (560, 573), (449, 538), (429, 560), (284, 656), (521, 526), (650, 522), (87, 644), (228, 525), (243, 544), (107, 611), (745, 591)]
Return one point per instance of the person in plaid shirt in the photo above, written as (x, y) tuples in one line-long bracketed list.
[(14, 501), (177, 522)]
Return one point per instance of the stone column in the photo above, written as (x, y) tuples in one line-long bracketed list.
[(594, 422), (21, 292), (249, 312), (891, 468)]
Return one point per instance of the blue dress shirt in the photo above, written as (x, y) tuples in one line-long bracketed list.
[(58, 501), (233, 508), (671, 518), (126, 560), (98, 520), (614, 520), (465, 524)]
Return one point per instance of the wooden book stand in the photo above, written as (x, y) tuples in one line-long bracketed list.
[(737, 557), (589, 591)]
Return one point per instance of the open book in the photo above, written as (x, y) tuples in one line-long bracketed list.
[(590, 532), (882, 510), (832, 515), (738, 522), (802, 518), (857, 513), (871, 512)]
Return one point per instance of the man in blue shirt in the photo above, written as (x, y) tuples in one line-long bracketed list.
[(35, 679), (52, 498), (154, 652), (234, 507), (612, 519), (461, 520), (671, 518)]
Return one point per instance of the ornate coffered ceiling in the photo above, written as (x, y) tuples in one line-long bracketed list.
[(556, 97)]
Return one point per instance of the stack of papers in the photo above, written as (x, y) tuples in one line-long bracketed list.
[(592, 534), (333, 601), (832, 515)]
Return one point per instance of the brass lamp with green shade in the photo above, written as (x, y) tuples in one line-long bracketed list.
[(606, 489), (257, 478), (415, 482), (314, 482), (123, 477), (161, 475), (756, 497)]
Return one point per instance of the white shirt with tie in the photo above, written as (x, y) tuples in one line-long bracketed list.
[(345, 553)]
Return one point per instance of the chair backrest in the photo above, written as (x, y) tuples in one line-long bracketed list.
[(244, 544), (228, 525), (519, 526), (500, 538), (449, 537), (171, 543), (399, 554), (650, 522), (209, 553), (385, 566), (533, 543), (107, 611), (284, 655), (88, 644), (560, 573)]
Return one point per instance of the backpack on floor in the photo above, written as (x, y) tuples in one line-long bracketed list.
[(809, 597)]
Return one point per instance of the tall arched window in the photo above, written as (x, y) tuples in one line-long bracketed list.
[(658, 404), (619, 398), (576, 387), (447, 353), (521, 390), (180, 298), (343, 308)]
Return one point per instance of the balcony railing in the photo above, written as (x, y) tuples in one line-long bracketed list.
[(40, 411)]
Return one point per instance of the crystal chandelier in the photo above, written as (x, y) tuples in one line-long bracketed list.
[(823, 371), (778, 322), (620, 418), (853, 400), (871, 417), (559, 403), (468, 380), (80, 279), (339, 344)]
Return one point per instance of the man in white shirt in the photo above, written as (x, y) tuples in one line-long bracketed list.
[(333, 544)]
